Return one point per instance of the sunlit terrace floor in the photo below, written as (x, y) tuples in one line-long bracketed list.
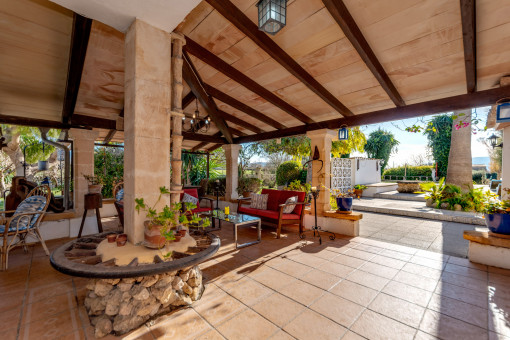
[(282, 289)]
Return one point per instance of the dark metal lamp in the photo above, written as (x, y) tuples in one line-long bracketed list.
[(272, 15)]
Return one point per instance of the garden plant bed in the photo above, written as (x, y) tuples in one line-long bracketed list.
[(408, 186)]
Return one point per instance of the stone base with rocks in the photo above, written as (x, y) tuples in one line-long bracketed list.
[(121, 305), (408, 186)]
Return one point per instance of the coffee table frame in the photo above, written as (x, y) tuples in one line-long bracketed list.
[(245, 223)]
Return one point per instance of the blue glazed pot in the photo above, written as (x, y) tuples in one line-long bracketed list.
[(498, 223), (344, 203)]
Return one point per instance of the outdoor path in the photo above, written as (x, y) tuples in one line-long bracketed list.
[(438, 236), (415, 209)]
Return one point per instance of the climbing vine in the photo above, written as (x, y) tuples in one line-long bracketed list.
[(380, 145), (439, 134)]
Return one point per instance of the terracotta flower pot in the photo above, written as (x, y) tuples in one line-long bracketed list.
[(95, 188), (111, 238), (358, 192), (152, 235), (182, 232), (247, 194), (177, 238), (121, 240)]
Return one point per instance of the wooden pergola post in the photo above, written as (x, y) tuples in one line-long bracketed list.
[(177, 114)]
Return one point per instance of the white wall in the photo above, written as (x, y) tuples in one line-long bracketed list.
[(369, 171)]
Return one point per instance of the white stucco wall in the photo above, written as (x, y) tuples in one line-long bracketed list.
[(368, 171)]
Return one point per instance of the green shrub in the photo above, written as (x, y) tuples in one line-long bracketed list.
[(250, 184), (412, 171), (288, 172), (211, 185), (479, 176)]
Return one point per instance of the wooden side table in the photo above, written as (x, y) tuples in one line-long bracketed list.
[(92, 201)]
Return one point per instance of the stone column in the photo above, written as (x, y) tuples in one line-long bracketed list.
[(177, 115), (146, 121), (83, 162), (323, 140), (232, 158)]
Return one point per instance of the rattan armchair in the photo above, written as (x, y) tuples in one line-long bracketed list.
[(25, 222)]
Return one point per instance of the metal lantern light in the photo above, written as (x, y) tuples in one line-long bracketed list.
[(272, 15), (196, 123), (493, 140), (343, 133)]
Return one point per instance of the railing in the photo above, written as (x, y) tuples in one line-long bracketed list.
[(408, 178)]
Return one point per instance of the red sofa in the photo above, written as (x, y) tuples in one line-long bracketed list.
[(274, 214), (194, 193)]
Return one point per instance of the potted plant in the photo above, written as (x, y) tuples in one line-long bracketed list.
[(344, 200), (497, 214), (159, 226), (358, 190), (248, 185), (192, 220), (95, 184)]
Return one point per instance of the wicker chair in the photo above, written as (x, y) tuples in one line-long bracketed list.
[(118, 194), (25, 222)]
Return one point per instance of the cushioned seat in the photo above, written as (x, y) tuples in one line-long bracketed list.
[(267, 213), (194, 192), (11, 229)]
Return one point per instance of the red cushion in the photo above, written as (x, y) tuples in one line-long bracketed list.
[(285, 194), (191, 192), (200, 210), (273, 198), (266, 213)]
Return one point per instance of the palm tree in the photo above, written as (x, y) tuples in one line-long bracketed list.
[(459, 159), (380, 145)]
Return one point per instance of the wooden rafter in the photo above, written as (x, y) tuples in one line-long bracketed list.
[(204, 144), (79, 42), (468, 13), (79, 121), (214, 147), (225, 98), (191, 76), (204, 138), (460, 102), (236, 75), (251, 30), (109, 136), (237, 132), (188, 99), (339, 12)]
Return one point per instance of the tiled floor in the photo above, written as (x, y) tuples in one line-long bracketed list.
[(283, 289), (438, 236)]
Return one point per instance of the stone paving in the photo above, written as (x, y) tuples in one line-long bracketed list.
[(349, 288)]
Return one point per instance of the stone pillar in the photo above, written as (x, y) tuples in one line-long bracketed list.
[(323, 140), (146, 121), (177, 115), (505, 166), (83, 162), (232, 158)]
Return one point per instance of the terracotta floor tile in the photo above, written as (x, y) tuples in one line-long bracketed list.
[(466, 263), (352, 336), (497, 270), (416, 281), (211, 335), (10, 334), (247, 325), (53, 327), (409, 293), (420, 335), (321, 279), (325, 254), (368, 280), (309, 260), (388, 262), (302, 292), (272, 278), (376, 326), (369, 248), (465, 282), (396, 255), (228, 280), (218, 308), (278, 308), (338, 309), (45, 308), (10, 300), (360, 254), (500, 279), (183, 324), (466, 295), (336, 269), (423, 261), (354, 292), (459, 310), (10, 318), (350, 261), (312, 325), (282, 335), (499, 311), (249, 291), (466, 271), (422, 271), (398, 309), (497, 336), (49, 289), (445, 327), (379, 270)]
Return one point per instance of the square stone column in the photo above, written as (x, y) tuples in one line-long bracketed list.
[(323, 140), (146, 121), (232, 158), (83, 162)]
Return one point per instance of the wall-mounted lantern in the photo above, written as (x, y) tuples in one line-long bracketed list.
[(343, 133), (493, 141)]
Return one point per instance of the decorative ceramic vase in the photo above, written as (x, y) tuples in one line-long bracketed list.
[(344, 203), (498, 223), (152, 235)]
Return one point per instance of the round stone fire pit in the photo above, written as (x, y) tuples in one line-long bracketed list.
[(122, 298)]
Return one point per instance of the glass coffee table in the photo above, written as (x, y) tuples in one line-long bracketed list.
[(237, 220)]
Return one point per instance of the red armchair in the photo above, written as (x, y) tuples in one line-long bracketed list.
[(198, 209)]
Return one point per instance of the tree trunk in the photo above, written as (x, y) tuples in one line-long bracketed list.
[(459, 160), (13, 151)]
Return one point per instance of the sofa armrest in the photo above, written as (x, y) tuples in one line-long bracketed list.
[(207, 199), (281, 206)]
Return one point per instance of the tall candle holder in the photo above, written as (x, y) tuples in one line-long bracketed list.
[(316, 229)]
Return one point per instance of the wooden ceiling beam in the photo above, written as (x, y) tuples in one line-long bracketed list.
[(214, 147), (216, 62), (237, 132), (204, 138), (449, 104), (468, 13), (109, 136), (236, 104), (191, 76), (251, 30), (341, 15), (204, 144), (79, 122), (79, 42), (188, 99)]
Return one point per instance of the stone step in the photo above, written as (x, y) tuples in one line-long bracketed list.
[(416, 209)]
